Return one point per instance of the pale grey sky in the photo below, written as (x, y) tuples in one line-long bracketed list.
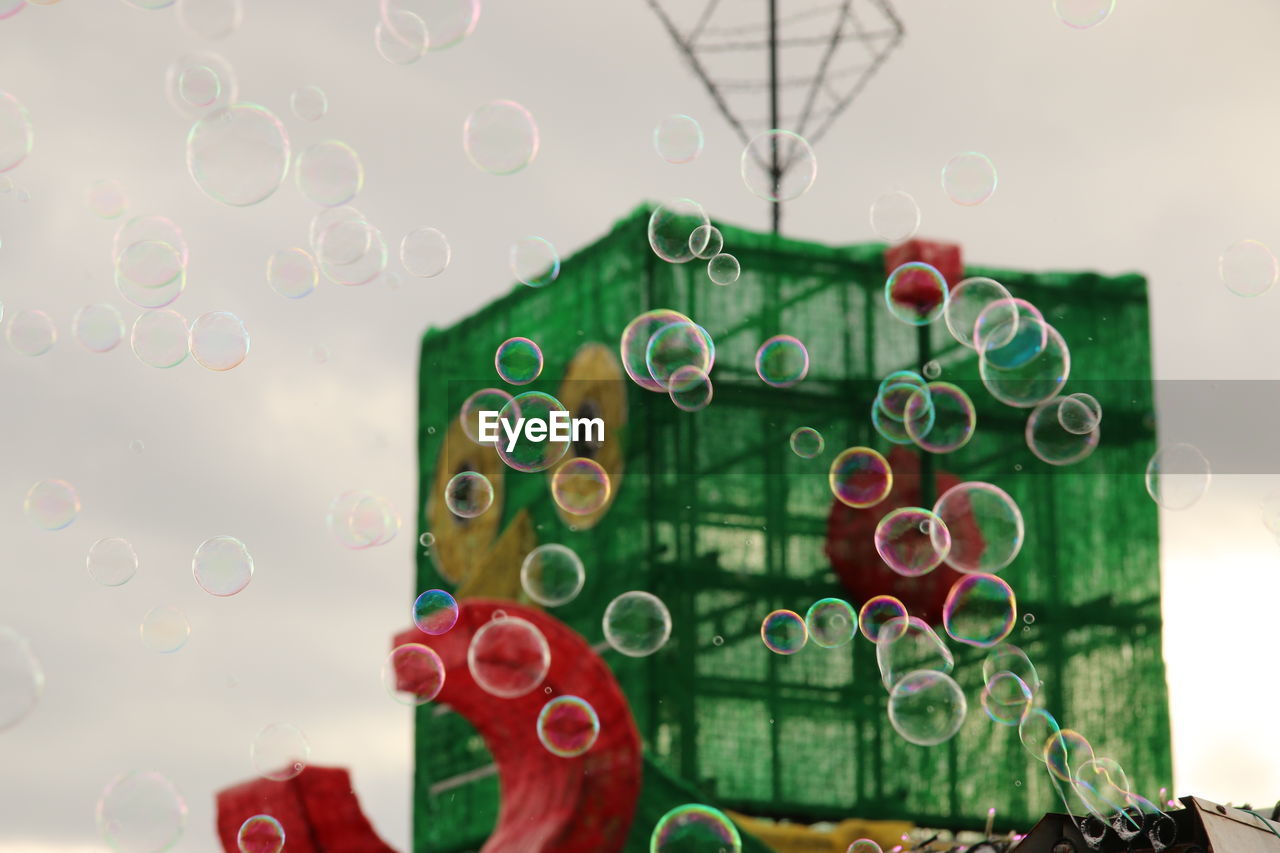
[(1146, 144)]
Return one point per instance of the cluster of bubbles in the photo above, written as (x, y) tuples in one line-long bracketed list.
[(665, 351), (680, 231), (361, 519)]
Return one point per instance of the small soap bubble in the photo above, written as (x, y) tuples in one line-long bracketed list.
[(534, 261), (222, 566), (52, 504), (568, 726), (292, 273), (435, 612), (21, 678), (518, 361), (107, 199), (807, 442), (723, 269), (552, 575), (260, 834), (695, 828), (98, 328), (895, 216), (969, 178), (678, 139), (112, 561), (706, 242), (141, 810), (218, 341), (164, 629), (500, 137), (468, 494), (637, 623), (795, 160), (280, 751), (425, 252), (31, 333), (508, 657), (784, 632), (309, 103), (413, 674)]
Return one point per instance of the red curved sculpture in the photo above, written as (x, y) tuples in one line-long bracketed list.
[(549, 804)]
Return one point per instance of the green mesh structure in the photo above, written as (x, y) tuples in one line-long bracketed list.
[(720, 519)]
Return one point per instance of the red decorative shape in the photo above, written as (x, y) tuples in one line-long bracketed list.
[(549, 804), (317, 809), (851, 548), (944, 257)]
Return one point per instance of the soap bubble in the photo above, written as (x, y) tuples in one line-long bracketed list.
[(637, 623), (552, 575), (916, 293), (141, 810), (219, 341), (500, 137), (199, 83), (580, 486), (674, 346), (784, 632), (280, 751), (695, 828), (877, 612), (351, 250), (1177, 476), (860, 477), (413, 674), (782, 361), (980, 610), (634, 344), (723, 269), (31, 333), (671, 227), (1034, 730), (329, 173), (969, 178), (360, 519), (706, 242), (908, 644), (797, 167), (435, 612), (468, 494), (1050, 441), (534, 261), (985, 525), (678, 139), (309, 103), (21, 678), (1006, 657), (112, 561), (98, 328), (895, 391), (525, 454), (16, 133), (508, 657), (238, 155), (1005, 698), (292, 273), (895, 216), (927, 707), (864, 845), (940, 417), (568, 726), (160, 338), (518, 361), (831, 622), (1083, 14), (448, 21), (1064, 752), (211, 19), (1079, 414), (425, 252), (164, 629), (52, 504), (260, 834), (1036, 378), (222, 566), (484, 400), (967, 301), (912, 541), (107, 199), (401, 37), (691, 389), (807, 442)]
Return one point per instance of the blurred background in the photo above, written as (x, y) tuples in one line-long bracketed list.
[(1145, 144)]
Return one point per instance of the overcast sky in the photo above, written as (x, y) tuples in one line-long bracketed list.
[(1146, 144)]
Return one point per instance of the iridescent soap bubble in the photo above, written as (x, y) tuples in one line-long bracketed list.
[(796, 165), (211, 19), (448, 21), (784, 632), (508, 657), (164, 629), (1009, 333), (51, 504), (16, 133), (931, 369), (1177, 476), (107, 199), (413, 674), (1248, 268), (927, 707), (484, 400), (695, 828), (552, 575), (1006, 657), (160, 338), (832, 622), (1005, 698), (895, 392), (637, 623), (31, 333), (980, 610), (691, 389), (280, 751), (912, 541), (238, 155), (969, 178), (141, 811), (518, 361), (671, 227), (985, 526), (864, 845), (534, 261), (401, 37), (967, 301), (199, 87), (634, 344), (360, 519), (905, 645), (260, 834), (674, 346), (329, 173), (580, 486), (1079, 414), (435, 612), (1038, 378), (1050, 441), (940, 417), (351, 250), (199, 83), (860, 477), (309, 103), (292, 273), (723, 269), (1034, 730), (916, 293), (877, 612), (222, 566), (782, 361), (678, 139), (426, 540), (21, 678), (468, 494), (1083, 14), (98, 328), (219, 341), (526, 454), (425, 252), (807, 442), (1064, 752), (111, 561), (706, 242), (568, 726), (895, 216), (500, 137)]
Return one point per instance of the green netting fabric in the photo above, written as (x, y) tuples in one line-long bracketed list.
[(716, 516)]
